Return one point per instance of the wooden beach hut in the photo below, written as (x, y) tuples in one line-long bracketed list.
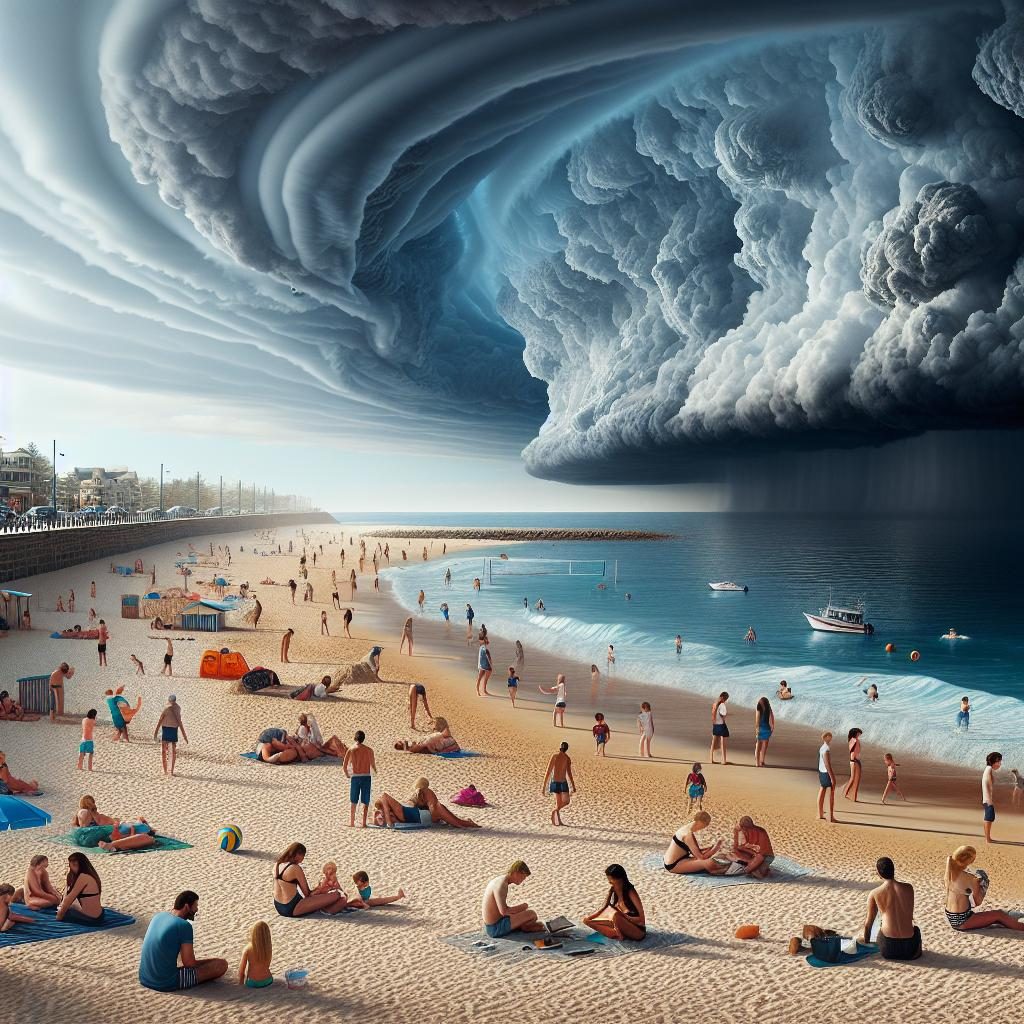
[(203, 616)]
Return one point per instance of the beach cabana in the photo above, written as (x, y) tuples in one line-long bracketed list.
[(129, 606), (16, 813), (18, 596), (203, 616)]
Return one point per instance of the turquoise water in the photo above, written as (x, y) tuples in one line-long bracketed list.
[(917, 578)]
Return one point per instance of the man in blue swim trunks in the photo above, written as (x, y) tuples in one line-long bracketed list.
[(498, 917), (359, 765), (169, 936)]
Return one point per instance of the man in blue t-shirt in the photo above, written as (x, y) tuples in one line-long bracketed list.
[(169, 936)]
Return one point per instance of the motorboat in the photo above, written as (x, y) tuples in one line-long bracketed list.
[(835, 619), (732, 588)]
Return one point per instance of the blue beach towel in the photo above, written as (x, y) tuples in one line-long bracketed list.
[(46, 926), (459, 753), (845, 958)]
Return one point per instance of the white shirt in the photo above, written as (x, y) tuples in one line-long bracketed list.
[(720, 712), (560, 694), (646, 726), (822, 766), (310, 732), (987, 784)]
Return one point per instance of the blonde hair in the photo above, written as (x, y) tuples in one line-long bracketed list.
[(87, 803), (440, 724), (703, 817), (260, 942), (518, 867), (421, 783), (964, 855), (330, 868), (826, 736)]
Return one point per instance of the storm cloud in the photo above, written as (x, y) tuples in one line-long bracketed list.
[(629, 239)]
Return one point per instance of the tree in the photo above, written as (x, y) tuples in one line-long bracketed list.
[(42, 475)]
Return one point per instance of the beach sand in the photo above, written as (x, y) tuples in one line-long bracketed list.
[(389, 963)]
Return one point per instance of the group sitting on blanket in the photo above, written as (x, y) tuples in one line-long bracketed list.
[(276, 746), (621, 916), (80, 903), (440, 740), (423, 808), (751, 852)]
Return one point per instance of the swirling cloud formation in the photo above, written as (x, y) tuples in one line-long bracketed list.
[(631, 237)]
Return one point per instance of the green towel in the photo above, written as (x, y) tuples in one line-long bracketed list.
[(162, 842)]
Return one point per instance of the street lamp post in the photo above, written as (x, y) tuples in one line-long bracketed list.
[(54, 482), (198, 498), (222, 495), (161, 487)]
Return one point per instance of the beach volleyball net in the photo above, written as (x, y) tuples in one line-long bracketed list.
[(498, 569)]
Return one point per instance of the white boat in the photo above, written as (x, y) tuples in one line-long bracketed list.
[(734, 588), (833, 619)]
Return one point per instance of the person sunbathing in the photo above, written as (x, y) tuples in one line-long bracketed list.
[(14, 785), (440, 741), (93, 829), (423, 808), (38, 892), (312, 742), (685, 855), (12, 711), (275, 746), (622, 916)]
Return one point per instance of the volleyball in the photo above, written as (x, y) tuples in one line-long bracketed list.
[(230, 838)]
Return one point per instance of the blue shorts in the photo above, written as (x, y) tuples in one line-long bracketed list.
[(720, 730), (825, 779), (602, 740), (559, 787), (411, 814), (359, 789), (963, 719), (85, 747), (764, 733), (990, 812), (169, 733), (500, 927), (695, 792)]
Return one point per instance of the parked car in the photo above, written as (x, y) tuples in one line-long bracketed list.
[(7, 515), (152, 513), (116, 512), (217, 511), (181, 512), (41, 514)]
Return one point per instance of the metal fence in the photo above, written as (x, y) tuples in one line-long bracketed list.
[(77, 520)]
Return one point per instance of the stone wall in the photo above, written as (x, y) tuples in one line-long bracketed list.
[(26, 554)]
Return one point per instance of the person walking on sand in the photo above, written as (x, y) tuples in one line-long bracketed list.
[(993, 762), (323, 624), (826, 779), (286, 642), (898, 937), (346, 621), (484, 668), (645, 723), (497, 917), (168, 937), (87, 745), (890, 779), (719, 728), (558, 780), (92, 590), (359, 765), (406, 636), (764, 726), (168, 669), (101, 643), (853, 786), (293, 586), (57, 677), (71, 601), (601, 732), (558, 715), (513, 684), (696, 787), (168, 725)]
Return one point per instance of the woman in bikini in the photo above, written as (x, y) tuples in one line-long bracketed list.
[(685, 856), (83, 888), (406, 636), (423, 807), (292, 896), (964, 888), (622, 916), (95, 829), (853, 785), (15, 785)]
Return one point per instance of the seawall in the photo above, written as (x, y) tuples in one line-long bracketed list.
[(38, 551)]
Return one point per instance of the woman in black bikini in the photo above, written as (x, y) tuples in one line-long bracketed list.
[(963, 887), (83, 888), (292, 896), (685, 856), (622, 916), (853, 740)]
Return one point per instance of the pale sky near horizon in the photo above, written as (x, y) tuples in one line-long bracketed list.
[(100, 426)]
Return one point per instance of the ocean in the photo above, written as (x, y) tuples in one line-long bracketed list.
[(916, 577)]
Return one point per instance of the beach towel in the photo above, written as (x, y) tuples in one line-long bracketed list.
[(783, 870), (577, 943), (46, 926), (405, 826), (251, 755), (458, 753), (163, 843), (845, 958)]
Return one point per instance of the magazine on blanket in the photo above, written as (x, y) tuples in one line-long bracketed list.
[(558, 924)]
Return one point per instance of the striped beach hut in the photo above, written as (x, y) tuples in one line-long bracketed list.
[(203, 616)]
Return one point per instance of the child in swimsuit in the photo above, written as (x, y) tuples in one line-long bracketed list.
[(890, 785), (601, 733), (696, 787), (366, 897), (254, 970), (329, 880)]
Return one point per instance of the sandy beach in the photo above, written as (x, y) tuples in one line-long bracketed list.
[(390, 963)]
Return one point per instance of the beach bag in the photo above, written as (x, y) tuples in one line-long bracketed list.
[(469, 798), (827, 948)]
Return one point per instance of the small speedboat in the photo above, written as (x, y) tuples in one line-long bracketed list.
[(732, 588), (833, 619)]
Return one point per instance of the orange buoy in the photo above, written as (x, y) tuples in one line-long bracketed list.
[(748, 931), (915, 655), (889, 648)]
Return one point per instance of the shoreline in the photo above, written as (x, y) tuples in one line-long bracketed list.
[(625, 810), (510, 533)]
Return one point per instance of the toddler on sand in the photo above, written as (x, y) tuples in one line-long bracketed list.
[(890, 785), (601, 733), (696, 787), (366, 897)]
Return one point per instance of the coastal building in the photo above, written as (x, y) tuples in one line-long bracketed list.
[(21, 483), (117, 486)]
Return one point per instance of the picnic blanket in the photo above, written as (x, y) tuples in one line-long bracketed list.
[(862, 953), (783, 869), (251, 755), (577, 943), (162, 843), (46, 926)]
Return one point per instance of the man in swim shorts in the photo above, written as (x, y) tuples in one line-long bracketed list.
[(359, 765), (168, 937), (993, 762), (498, 917), (898, 938)]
